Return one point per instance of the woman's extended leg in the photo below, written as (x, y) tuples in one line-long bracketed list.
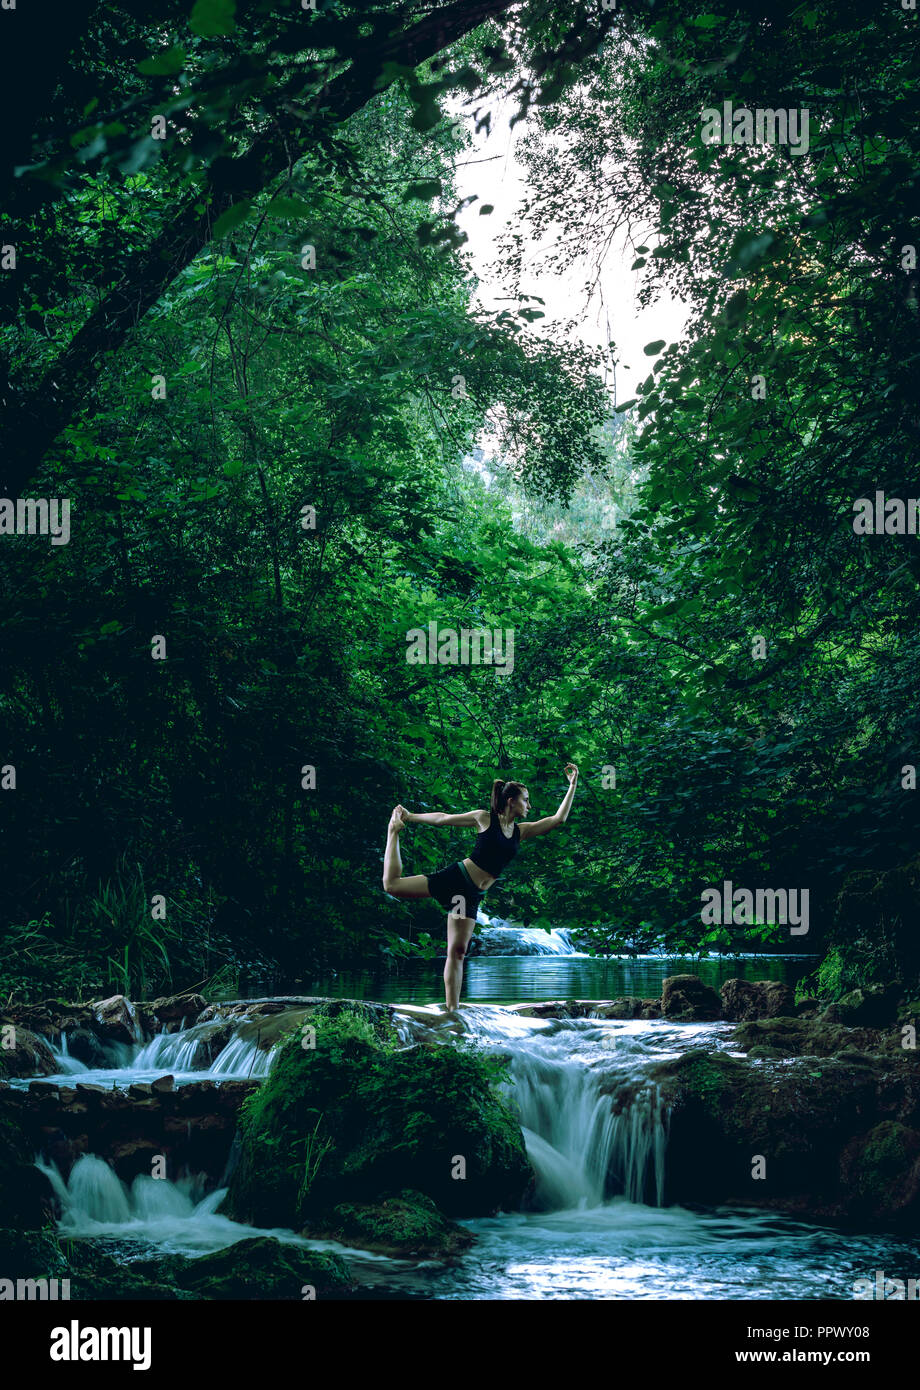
[(459, 931), (416, 885)]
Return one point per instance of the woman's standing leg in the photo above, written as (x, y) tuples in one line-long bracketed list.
[(459, 932)]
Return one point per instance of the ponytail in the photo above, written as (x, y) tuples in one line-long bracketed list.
[(502, 793)]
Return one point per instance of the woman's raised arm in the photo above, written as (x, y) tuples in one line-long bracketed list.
[(548, 823)]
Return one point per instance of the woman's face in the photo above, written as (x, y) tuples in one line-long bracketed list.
[(521, 804)]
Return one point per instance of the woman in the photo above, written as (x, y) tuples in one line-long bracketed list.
[(460, 887)]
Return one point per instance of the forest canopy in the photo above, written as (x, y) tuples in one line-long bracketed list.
[(240, 335)]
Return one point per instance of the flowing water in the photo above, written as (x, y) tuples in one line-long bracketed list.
[(596, 1135), (602, 1231)]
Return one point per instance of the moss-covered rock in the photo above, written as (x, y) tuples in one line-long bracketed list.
[(881, 1171), (821, 1137), (806, 1037), (259, 1268), (91, 1272), (686, 999), (874, 1006), (408, 1224), (629, 1006), (355, 1119), (32, 1255), (98, 1276), (746, 999)]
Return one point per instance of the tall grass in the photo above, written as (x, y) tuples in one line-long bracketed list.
[(106, 941)]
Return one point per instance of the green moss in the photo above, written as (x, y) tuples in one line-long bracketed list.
[(409, 1224), (259, 1268), (97, 1276), (31, 1255), (880, 1165), (703, 1079), (355, 1119)]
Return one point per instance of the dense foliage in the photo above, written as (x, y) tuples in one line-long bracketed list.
[(268, 311)]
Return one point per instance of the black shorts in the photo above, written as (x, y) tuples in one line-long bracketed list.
[(455, 890)]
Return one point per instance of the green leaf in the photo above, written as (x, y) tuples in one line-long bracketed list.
[(289, 207), (165, 64), (653, 349), (232, 218), (212, 17)]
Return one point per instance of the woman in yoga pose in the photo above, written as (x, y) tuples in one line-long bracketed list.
[(460, 887)]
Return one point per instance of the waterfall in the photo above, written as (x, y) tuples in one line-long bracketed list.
[(500, 938), (175, 1052), (187, 1051), (172, 1216), (94, 1199), (593, 1124), (242, 1057), (67, 1065)]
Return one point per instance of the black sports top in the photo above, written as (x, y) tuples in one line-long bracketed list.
[(493, 849)]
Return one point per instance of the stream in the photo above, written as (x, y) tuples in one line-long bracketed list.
[(598, 1230)]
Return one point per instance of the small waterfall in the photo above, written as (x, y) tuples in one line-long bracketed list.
[(94, 1199), (67, 1065), (188, 1051), (594, 1126), (172, 1216), (175, 1052), (506, 939), (582, 1150), (242, 1057)]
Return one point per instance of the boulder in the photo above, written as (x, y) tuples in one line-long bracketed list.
[(630, 1006), (23, 1053), (176, 1008), (686, 999), (409, 1225), (116, 1019), (831, 1138), (813, 1037), (261, 1268), (351, 1122), (558, 1008), (881, 1172), (875, 1006), (86, 1047), (746, 999)]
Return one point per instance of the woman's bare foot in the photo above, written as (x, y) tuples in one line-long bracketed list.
[(396, 820)]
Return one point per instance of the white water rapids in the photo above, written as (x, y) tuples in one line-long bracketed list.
[(596, 1136)]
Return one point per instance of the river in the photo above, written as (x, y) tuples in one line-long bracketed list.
[(598, 1229)]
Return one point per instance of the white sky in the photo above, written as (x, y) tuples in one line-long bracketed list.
[(610, 314)]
